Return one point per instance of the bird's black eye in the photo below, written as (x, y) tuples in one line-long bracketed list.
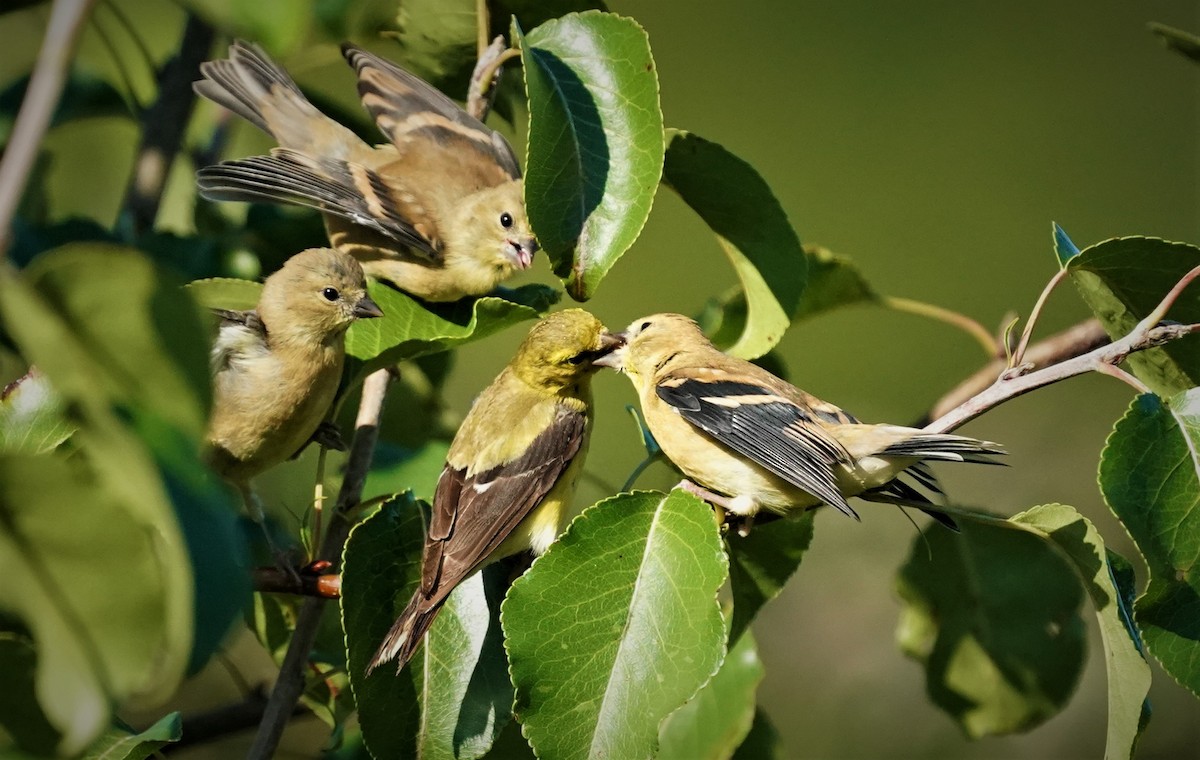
[(506, 220), (330, 294), (644, 326)]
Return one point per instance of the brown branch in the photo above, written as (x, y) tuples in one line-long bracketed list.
[(290, 684), (67, 19), (273, 580), (482, 90), (164, 123), (1072, 342)]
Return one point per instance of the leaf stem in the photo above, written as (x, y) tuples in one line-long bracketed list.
[(482, 90), (483, 25), (1019, 354), (67, 19), (288, 687), (981, 334)]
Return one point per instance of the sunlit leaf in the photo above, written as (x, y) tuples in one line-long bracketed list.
[(120, 744), (32, 417), (1150, 477), (226, 293), (595, 141), (616, 626)]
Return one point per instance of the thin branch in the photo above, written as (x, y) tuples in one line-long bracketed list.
[(67, 19), (272, 580), (482, 90), (164, 123), (1019, 354), (290, 684), (981, 334)]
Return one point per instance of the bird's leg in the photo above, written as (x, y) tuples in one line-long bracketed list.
[(734, 508), (254, 506)]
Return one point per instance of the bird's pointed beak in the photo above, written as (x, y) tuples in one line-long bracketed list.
[(367, 309), (612, 346), (521, 251)]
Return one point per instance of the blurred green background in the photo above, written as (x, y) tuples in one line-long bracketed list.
[(933, 142)]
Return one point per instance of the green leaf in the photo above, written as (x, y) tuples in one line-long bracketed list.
[(751, 227), (1186, 44), (833, 281), (381, 565), (95, 646), (715, 721), (462, 672), (226, 293), (32, 417), (20, 715), (616, 626), (1128, 671), (395, 469), (437, 38), (278, 25), (762, 743), (993, 615), (1150, 477), (761, 562), (149, 342), (83, 97), (1064, 249), (595, 150), (1122, 280), (119, 744), (409, 329)]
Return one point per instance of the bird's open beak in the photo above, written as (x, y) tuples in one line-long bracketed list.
[(367, 309), (613, 347), (522, 251)]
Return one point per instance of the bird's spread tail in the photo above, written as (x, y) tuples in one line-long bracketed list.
[(942, 446), (256, 88), (406, 633)]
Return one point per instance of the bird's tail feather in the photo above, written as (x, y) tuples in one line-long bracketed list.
[(942, 446), (406, 633)]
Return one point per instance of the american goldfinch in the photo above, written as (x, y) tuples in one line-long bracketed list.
[(511, 470), (439, 211), (747, 440), (276, 368)]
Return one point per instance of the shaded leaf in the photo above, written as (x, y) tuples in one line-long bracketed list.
[(83, 97), (278, 25), (20, 715), (119, 744), (762, 743), (616, 625), (751, 227), (381, 565), (395, 469), (1150, 477), (833, 281), (32, 417), (410, 328), (437, 41), (1128, 671), (993, 615), (761, 562), (1064, 249), (1122, 280), (713, 723), (595, 150), (1186, 44)]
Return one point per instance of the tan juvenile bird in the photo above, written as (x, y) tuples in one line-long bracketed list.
[(511, 471), (276, 369), (748, 440), (439, 211)]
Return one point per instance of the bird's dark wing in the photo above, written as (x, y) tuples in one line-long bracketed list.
[(472, 515), (333, 186), (771, 430), (405, 107)]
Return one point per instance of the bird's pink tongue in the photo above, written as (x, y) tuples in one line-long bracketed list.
[(524, 258)]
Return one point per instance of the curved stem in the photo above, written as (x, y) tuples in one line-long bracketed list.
[(483, 25), (981, 334), (1019, 354)]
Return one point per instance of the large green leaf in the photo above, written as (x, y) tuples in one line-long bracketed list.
[(751, 227), (462, 672), (381, 565), (616, 626), (761, 562), (1128, 671), (32, 417), (993, 615), (1150, 477), (125, 744), (409, 329), (1122, 280), (595, 141), (714, 722)]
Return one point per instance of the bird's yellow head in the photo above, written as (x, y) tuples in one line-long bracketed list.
[(562, 349), (315, 296), (496, 230), (651, 342)]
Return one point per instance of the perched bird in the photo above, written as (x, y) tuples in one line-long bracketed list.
[(748, 441), (439, 211), (510, 473), (276, 368)]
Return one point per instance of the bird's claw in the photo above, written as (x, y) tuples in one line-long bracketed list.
[(329, 435)]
